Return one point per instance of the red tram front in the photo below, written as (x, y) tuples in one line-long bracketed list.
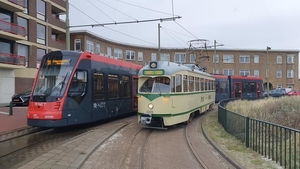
[(75, 88)]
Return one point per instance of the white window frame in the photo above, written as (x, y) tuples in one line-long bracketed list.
[(244, 72), (279, 73), (216, 58), (130, 55), (76, 41), (165, 57), (228, 72), (193, 58), (108, 52), (256, 59), (40, 14), (290, 59), (181, 57), (140, 56), (228, 58), (279, 59), (244, 58), (118, 53), (256, 73), (290, 74), (153, 57), (89, 46), (97, 48)]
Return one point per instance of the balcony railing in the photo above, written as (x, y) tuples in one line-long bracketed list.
[(12, 28), (19, 2), (12, 59)]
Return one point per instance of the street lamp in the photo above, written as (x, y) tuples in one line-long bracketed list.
[(268, 70)]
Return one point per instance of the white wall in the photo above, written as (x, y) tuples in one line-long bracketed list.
[(7, 85)]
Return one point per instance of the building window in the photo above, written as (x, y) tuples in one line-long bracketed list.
[(140, 56), (256, 58), (216, 59), (244, 58), (279, 73), (41, 9), (77, 45), (153, 56), (109, 51), (118, 53), (165, 57), (228, 72), (192, 58), (216, 71), (89, 46), (130, 55), (97, 48), (5, 47), (24, 23), (180, 57), (290, 73), (244, 72), (23, 51), (290, 59), (279, 59), (25, 6), (256, 73), (228, 58), (279, 86), (41, 34), (290, 86), (39, 55)]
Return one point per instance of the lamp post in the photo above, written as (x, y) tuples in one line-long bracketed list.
[(268, 70)]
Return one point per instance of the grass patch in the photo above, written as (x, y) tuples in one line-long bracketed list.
[(237, 150)]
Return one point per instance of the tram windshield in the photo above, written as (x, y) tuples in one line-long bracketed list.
[(155, 85), (55, 72)]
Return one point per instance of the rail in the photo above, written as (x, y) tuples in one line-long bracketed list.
[(19, 2), (12, 59), (275, 142), (12, 28)]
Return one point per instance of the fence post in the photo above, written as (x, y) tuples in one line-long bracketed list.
[(10, 108), (247, 131)]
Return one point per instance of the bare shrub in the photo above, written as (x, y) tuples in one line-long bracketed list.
[(283, 111)]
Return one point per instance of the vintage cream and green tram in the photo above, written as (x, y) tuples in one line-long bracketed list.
[(171, 93)]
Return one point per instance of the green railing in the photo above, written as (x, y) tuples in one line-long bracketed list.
[(276, 142)]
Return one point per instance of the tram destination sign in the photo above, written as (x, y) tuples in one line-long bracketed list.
[(58, 62), (153, 72)]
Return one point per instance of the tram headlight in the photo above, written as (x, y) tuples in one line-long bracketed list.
[(150, 106)]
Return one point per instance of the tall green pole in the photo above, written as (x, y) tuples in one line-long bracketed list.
[(67, 25)]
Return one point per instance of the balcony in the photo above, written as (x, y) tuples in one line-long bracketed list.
[(13, 5), (56, 21), (12, 31), (59, 44), (58, 6), (12, 61)]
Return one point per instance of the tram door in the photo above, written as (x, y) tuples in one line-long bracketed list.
[(237, 90), (258, 90), (134, 93)]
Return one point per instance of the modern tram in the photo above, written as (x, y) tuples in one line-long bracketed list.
[(171, 93), (73, 88)]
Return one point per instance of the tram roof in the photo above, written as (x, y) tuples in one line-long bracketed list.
[(172, 67)]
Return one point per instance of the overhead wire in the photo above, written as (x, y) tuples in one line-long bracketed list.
[(100, 10), (110, 28), (174, 38)]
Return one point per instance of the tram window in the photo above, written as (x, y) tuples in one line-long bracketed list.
[(202, 84), (78, 86), (197, 84), (113, 86), (214, 85), (217, 86), (162, 85), (223, 87), (185, 83), (178, 83), (125, 89), (206, 84), (191, 83), (147, 85), (249, 87), (173, 84), (98, 86)]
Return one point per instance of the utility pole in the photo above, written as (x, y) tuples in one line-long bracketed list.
[(215, 55), (68, 26), (268, 70), (159, 40)]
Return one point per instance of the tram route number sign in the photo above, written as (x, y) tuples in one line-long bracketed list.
[(153, 72)]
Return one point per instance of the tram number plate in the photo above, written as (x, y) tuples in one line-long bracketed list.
[(149, 111)]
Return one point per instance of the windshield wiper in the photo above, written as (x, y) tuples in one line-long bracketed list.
[(63, 82)]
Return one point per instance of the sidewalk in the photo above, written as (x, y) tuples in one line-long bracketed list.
[(16, 121)]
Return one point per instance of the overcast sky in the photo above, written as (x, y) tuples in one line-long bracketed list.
[(238, 24)]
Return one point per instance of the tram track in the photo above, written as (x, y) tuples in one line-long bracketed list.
[(143, 149), (4, 136)]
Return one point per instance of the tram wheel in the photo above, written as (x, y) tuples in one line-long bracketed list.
[(190, 118)]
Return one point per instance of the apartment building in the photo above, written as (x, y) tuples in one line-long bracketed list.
[(283, 64), (28, 30)]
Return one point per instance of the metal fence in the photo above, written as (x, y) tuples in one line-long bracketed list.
[(276, 142)]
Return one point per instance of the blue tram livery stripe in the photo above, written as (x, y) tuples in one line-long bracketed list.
[(177, 114)]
